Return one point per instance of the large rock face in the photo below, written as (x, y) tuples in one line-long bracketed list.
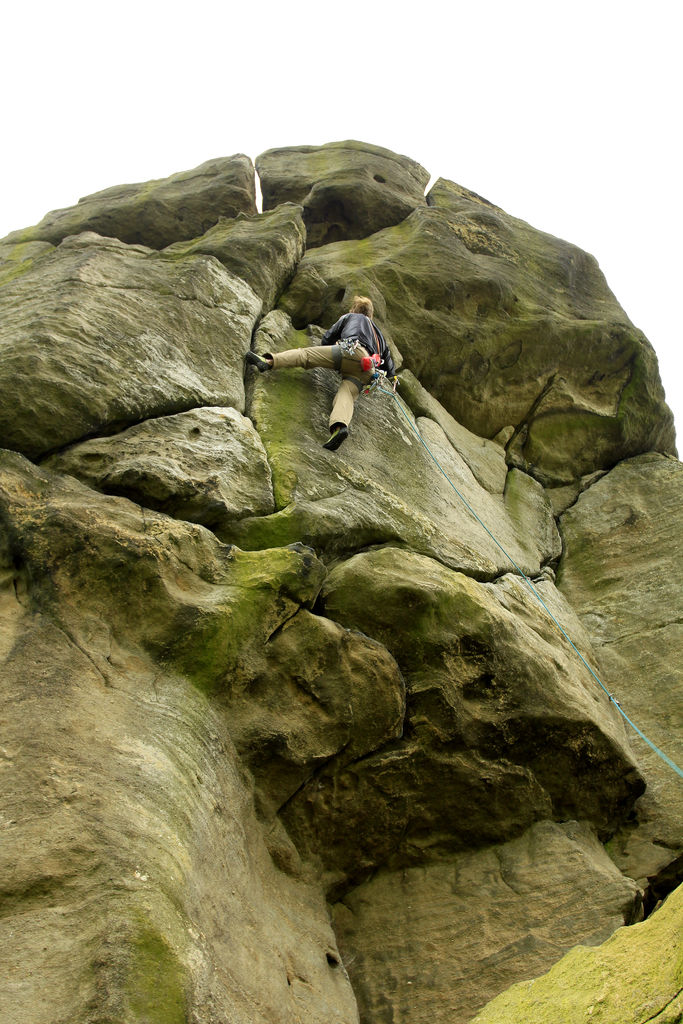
[(263, 250), (286, 735), (131, 852)]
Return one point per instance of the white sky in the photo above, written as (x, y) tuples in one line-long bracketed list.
[(566, 115)]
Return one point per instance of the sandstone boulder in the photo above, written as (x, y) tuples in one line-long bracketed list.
[(504, 325), (503, 724), (320, 692), (156, 213), (421, 946), (623, 550), (347, 189), (206, 465), (634, 976), (98, 335), (103, 567), (263, 249)]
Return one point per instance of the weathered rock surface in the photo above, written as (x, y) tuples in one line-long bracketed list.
[(99, 335), (321, 694), (17, 257), (156, 213), (634, 978), (201, 742), (562, 498), (531, 513), (419, 947), (347, 189), (104, 566), (382, 486), (489, 692), (485, 458), (206, 465), (131, 856), (264, 250), (621, 572), (503, 325)]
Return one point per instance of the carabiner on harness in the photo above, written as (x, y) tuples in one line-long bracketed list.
[(349, 345), (377, 377)]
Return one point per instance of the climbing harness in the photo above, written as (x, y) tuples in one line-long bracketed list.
[(377, 383), (349, 346)]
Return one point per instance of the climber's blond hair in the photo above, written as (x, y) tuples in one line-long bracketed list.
[(362, 304)]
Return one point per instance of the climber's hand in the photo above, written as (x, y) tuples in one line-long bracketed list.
[(394, 383)]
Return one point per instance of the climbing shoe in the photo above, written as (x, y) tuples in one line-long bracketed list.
[(338, 435), (260, 362)]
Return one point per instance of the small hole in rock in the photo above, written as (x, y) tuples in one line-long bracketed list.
[(332, 960), (340, 294), (380, 179)]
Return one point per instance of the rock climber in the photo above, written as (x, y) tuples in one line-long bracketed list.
[(354, 346)]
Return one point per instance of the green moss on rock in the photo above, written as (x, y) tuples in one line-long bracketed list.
[(155, 982), (634, 978), (17, 258), (216, 631)]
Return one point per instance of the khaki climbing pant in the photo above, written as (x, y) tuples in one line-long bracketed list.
[(332, 358)]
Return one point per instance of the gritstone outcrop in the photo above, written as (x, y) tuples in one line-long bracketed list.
[(286, 736)]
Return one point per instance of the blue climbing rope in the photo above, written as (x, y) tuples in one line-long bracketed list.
[(613, 699)]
